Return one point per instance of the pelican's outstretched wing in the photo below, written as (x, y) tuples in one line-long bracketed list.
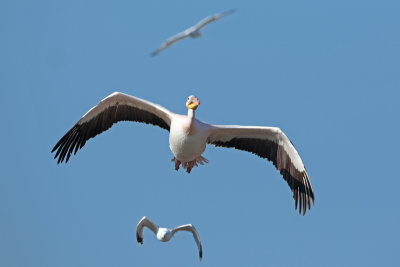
[(144, 222), (171, 41), (190, 228), (212, 18), (112, 109), (270, 143)]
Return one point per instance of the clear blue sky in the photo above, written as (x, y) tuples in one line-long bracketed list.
[(328, 74)]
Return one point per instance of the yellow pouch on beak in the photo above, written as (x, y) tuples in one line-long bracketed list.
[(192, 105)]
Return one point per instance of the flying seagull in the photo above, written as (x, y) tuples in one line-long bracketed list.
[(189, 136), (165, 234), (193, 31)]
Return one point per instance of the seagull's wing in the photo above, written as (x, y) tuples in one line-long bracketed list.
[(212, 18), (190, 228), (112, 109), (270, 143), (171, 41), (144, 222)]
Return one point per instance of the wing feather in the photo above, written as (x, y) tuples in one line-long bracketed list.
[(112, 109), (212, 18), (270, 143), (171, 41), (144, 222), (191, 228)]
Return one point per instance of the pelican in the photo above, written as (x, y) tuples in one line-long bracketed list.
[(193, 31), (189, 136), (165, 234)]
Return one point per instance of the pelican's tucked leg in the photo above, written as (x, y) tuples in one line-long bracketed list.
[(188, 166), (177, 163), (202, 160)]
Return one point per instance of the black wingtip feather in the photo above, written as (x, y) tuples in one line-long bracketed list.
[(77, 136), (298, 181), (139, 239)]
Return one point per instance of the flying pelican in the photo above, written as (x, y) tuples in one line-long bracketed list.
[(165, 234), (193, 31), (188, 137)]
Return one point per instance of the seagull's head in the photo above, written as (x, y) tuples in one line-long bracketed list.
[(163, 234), (196, 34), (192, 102)]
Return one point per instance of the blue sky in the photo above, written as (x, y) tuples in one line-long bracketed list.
[(328, 74)]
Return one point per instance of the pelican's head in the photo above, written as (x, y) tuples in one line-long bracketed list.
[(192, 102)]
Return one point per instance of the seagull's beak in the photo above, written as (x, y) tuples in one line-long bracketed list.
[(193, 103)]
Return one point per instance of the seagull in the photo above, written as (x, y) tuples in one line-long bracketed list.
[(189, 136), (193, 31), (165, 234)]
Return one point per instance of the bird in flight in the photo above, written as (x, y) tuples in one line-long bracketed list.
[(189, 136), (165, 234), (193, 31)]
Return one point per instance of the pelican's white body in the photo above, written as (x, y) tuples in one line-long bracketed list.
[(187, 147)]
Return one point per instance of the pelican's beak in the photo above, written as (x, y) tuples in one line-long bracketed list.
[(193, 103)]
